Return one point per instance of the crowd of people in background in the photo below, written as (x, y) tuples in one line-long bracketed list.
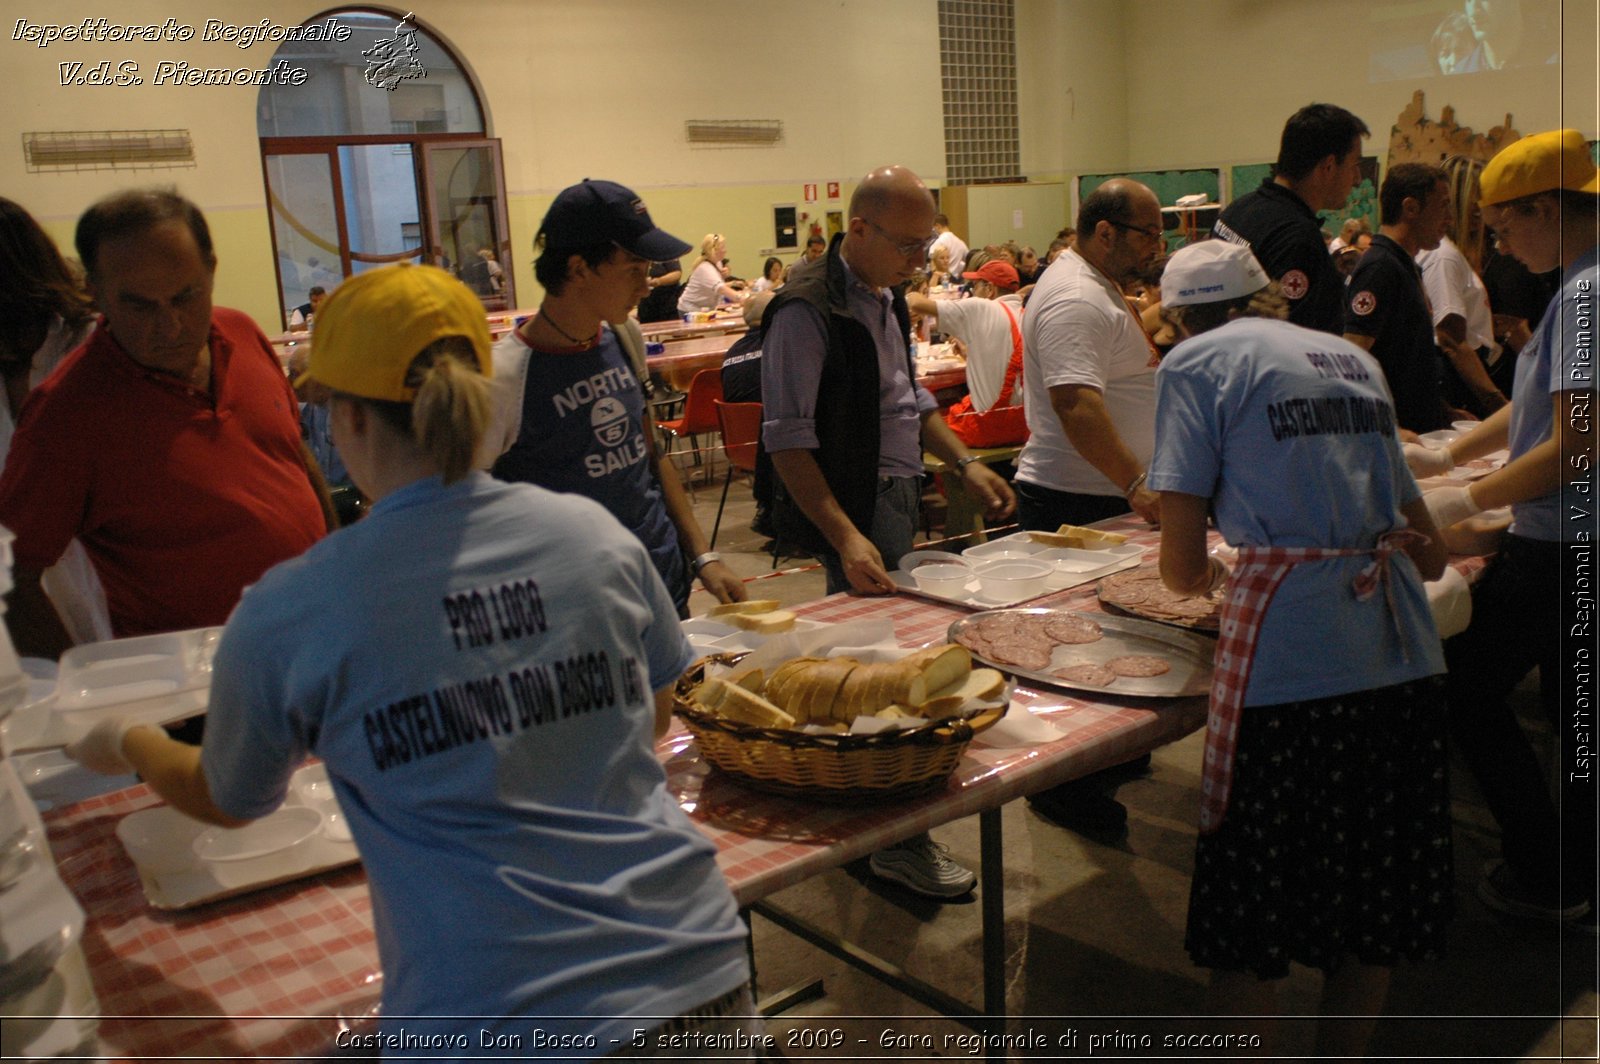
[(157, 461)]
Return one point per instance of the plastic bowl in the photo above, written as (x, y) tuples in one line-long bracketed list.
[(1464, 427), (1440, 437), (1008, 581), (942, 578), (159, 844), (1000, 550), (270, 837), (121, 670)]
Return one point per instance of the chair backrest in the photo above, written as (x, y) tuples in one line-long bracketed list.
[(699, 406), (741, 429)]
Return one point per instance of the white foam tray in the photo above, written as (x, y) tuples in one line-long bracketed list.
[(183, 881), (1073, 567), (150, 679)]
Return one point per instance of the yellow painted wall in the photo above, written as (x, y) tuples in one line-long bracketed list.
[(602, 88), (1211, 83)]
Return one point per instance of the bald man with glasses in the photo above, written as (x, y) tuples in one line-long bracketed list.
[(845, 421), (846, 425), (1089, 370)]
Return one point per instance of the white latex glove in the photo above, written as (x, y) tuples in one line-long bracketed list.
[(1448, 506), (100, 748), (1427, 461), (1219, 573)]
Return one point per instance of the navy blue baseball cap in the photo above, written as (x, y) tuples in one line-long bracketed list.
[(594, 211)]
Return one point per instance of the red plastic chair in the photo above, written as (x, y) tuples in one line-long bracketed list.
[(741, 430), (699, 411)]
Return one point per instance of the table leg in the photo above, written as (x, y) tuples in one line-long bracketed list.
[(992, 855)]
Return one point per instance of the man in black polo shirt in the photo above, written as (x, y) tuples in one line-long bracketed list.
[(1386, 311), (1319, 162)]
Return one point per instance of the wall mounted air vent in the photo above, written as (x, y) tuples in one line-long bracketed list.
[(108, 149), (734, 133)]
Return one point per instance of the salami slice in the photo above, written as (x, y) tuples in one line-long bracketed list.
[(1139, 665), (1022, 653), (1089, 673), (1072, 629), (973, 640)]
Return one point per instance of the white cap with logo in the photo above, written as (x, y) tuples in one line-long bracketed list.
[(1209, 271)]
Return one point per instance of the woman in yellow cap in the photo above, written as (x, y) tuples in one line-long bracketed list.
[(1541, 197), (474, 662)]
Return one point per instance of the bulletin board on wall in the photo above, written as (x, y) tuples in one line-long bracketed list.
[(1169, 186)]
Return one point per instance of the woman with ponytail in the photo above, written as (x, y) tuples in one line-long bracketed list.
[(483, 668)]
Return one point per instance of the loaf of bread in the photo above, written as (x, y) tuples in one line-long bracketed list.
[(817, 688), (930, 683), (1079, 538), (869, 688)]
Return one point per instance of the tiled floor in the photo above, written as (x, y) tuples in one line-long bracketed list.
[(1094, 931)]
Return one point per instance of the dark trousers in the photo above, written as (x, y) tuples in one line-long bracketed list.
[(1517, 625), (1045, 509), (895, 517)]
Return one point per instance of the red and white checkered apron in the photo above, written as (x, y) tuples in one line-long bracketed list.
[(1254, 581)]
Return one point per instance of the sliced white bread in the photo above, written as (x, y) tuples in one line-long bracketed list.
[(750, 606), (749, 707), (981, 685), (942, 666), (769, 623)]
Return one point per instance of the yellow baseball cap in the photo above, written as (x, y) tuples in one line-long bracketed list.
[(374, 324), (1543, 162)]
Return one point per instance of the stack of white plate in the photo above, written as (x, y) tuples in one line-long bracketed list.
[(47, 1003)]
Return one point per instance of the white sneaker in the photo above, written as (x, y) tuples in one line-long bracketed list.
[(924, 866)]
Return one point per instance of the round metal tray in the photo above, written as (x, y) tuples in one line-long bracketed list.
[(1189, 653)]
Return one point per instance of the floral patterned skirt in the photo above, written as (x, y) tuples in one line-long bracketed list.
[(1336, 841)]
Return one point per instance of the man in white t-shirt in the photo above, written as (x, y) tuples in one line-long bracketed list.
[(1089, 370), (983, 324), (1462, 325), (1088, 380), (950, 242)]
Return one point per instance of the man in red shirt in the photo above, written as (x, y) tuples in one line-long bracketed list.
[(168, 444)]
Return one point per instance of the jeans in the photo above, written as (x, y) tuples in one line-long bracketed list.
[(894, 526)]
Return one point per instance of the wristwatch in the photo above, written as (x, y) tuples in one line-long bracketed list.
[(704, 560), (962, 463)]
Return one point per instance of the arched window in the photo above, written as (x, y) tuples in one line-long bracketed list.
[(378, 155)]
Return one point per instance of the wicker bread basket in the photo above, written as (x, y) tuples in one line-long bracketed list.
[(886, 766)]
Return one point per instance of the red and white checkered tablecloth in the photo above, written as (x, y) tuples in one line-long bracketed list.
[(274, 973), (264, 974)]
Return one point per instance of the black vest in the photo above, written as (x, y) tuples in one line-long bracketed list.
[(847, 413)]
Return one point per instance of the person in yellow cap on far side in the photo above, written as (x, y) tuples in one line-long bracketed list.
[(474, 663), (1541, 198)]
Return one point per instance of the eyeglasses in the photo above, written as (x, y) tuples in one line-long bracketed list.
[(907, 249), (1153, 234)]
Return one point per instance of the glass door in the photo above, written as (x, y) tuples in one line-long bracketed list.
[(307, 228), (382, 204), (467, 204)]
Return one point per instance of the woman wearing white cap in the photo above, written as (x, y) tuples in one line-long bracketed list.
[(1325, 827), (1541, 196), (474, 663)]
